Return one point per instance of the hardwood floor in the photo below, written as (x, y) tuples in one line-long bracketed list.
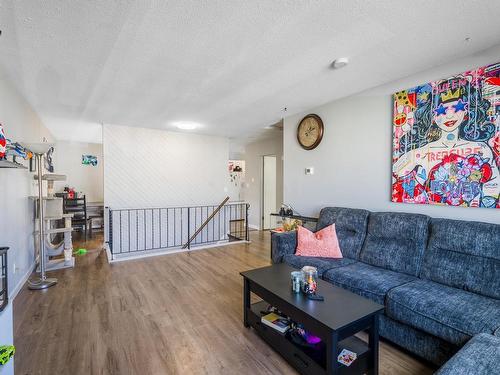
[(171, 314)]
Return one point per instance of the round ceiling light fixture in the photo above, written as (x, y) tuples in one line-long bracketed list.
[(340, 62), (186, 125)]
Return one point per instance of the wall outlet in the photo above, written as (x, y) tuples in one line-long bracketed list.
[(309, 170)]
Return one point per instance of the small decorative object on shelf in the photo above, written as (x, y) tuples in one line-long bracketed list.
[(291, 224), (6, 353), (301, 337), (310, 280), (4, 296), (346, 357), (49, 160), (8, 148), (3, 143), (291, 220)]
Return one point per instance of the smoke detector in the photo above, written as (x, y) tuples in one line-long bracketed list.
[(340, 62)]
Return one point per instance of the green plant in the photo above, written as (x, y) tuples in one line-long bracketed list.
[(6, 353)]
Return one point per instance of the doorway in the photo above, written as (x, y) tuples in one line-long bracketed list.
[(269, 169)]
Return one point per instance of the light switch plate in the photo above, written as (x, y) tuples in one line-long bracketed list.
[(309, 170)]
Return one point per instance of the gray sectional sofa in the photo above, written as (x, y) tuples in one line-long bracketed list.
[(481, 355), (438, 279)]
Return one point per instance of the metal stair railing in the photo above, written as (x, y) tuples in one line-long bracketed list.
[(133, 231), (205, 223)]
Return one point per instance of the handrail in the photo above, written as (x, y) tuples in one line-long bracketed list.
[(205, 223), (233, 203)]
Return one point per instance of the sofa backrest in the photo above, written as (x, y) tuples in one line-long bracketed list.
[(465, 255), (350, 225), (396, 241)]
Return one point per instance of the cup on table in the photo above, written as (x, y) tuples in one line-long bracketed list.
[(296, 279)]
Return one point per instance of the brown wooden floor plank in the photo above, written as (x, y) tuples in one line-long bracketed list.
[(171, 314)]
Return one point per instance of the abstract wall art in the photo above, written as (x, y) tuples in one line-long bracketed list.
[(446, 141), (89, 160)]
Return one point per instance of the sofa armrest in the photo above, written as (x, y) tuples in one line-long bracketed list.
[(282, 244), (480, 355)]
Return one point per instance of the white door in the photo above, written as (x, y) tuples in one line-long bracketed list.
[(268, 191)]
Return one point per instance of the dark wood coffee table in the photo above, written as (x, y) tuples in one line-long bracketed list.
[(335, 320)]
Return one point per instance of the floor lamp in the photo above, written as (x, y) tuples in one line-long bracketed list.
[(40, 281)]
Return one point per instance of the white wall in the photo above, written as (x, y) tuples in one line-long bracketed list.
[(236, 181), (272, 145), (353, 162), (157, 168), (16, 221), (6, 337), (84, 178)]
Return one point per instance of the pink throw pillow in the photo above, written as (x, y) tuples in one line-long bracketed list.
[(324, 243)]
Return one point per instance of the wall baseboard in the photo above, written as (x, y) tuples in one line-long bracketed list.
[(154, 253), (108, 252), (253, 226), (15, 291)]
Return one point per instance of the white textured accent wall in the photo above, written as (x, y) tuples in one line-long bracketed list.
[(157, 168)]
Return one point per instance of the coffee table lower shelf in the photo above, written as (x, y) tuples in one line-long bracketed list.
[(305, 360)]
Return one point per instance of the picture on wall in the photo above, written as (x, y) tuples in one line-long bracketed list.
[(446, 141), (89, 160)]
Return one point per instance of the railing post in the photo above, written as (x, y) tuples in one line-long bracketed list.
[(247, 235), (189, 227), (110, 230)]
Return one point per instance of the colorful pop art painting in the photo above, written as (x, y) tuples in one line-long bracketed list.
[(446, 141)]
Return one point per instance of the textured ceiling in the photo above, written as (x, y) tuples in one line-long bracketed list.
[(230, 65)]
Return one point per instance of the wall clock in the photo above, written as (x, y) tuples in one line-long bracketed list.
[(310, 131)]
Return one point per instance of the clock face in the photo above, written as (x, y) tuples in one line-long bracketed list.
[(310, 131)]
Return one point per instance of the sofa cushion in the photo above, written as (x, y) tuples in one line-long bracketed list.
[(449, 313), (464, 255), (350, 225), (481, 355), (322, 264), (368, 281), (396, 241)]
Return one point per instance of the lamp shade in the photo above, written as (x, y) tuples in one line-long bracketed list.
[(39, 148)]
